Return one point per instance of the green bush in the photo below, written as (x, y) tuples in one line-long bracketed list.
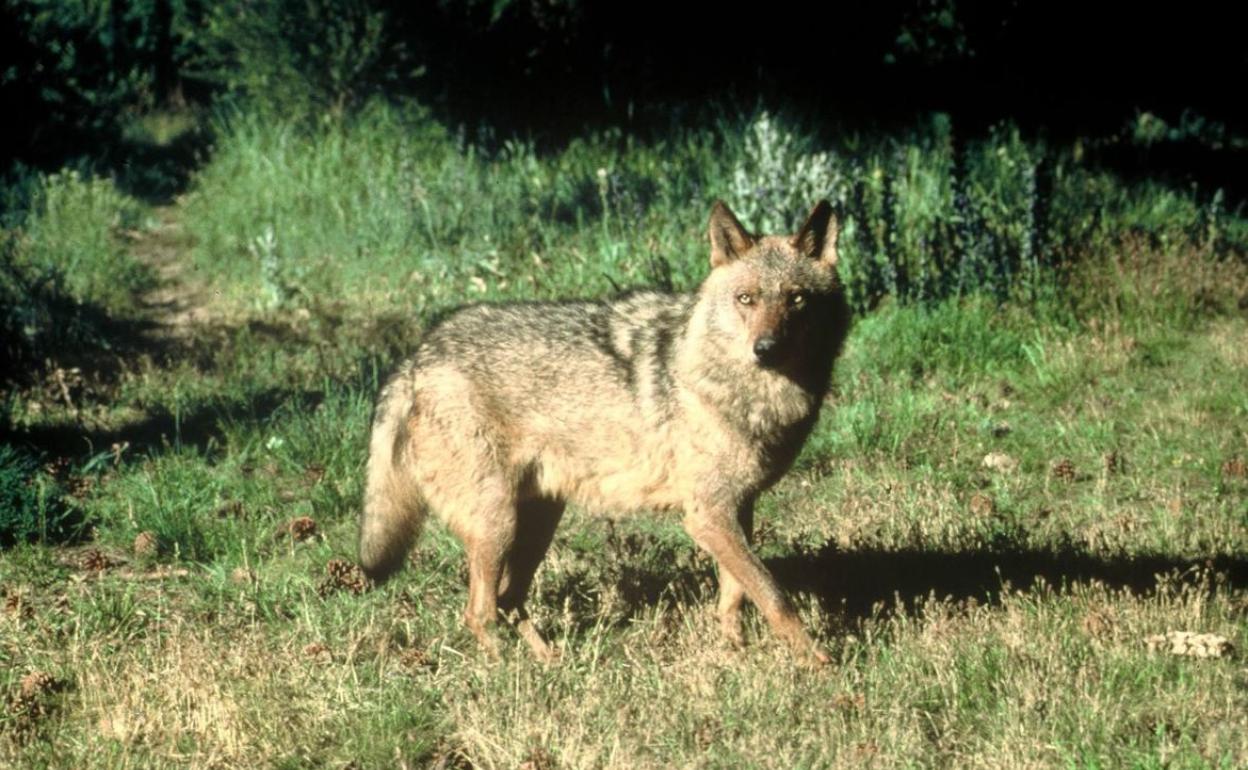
[(924, 218), (304, 58), (387, 204)]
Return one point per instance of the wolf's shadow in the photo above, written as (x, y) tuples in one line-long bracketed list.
[(861, 582)]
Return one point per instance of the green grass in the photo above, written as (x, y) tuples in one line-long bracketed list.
[(67, 276), (387, 209), (73, 237), (976, 617)]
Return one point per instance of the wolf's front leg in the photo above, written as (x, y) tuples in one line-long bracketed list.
[(719, 531), (731, 590)]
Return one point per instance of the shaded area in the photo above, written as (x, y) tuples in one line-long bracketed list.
[(1060, 69), (857, 581), (198, 427), (156, 170), (859, 584), (32, 503), (1062, 64), (1181, 165), (75, 371), (550, 70), (42, 325)]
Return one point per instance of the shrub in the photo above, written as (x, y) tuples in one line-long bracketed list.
[(304, 58)]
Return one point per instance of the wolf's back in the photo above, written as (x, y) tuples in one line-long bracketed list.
[(572, 377), (583, 353)]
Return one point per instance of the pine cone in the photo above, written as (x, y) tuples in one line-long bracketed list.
[(299, 528), (146, 544), (94, 560), (37, 683), (1113, 462), (16, 606), (342, 575), (982, 505), (1064, 470)]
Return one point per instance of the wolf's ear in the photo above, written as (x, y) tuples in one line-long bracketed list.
[(729, 240), (817, 238)]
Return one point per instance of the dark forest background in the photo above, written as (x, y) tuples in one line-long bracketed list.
[(547, 69)]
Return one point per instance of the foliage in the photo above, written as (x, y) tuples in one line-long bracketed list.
[(388, 204), (778, 176), (311, 59), (78, 69), (925, 216)]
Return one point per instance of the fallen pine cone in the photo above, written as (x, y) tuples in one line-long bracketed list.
[(982, 505), (146, 544), (299, 528), (318, 653), (1114, 462), (342, 575), (1064, 470), (29, 705), (94, 560), (17, 606), (37, 683), (1098, 623), (416, 658)]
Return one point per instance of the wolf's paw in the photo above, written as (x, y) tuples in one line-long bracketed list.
[(541, 649)]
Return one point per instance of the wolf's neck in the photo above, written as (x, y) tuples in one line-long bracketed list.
[(759, 402)]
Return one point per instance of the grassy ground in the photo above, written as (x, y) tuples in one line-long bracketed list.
[(1005, 501)]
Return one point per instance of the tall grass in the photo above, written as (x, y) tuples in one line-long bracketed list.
[(65, 268), (72, 237), (390, 206)]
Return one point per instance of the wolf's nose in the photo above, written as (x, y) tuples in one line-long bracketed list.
[(764, 348)]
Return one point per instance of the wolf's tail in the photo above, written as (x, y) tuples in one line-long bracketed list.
[(394, 510)]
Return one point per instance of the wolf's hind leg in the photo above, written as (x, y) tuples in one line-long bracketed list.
[(487, 530), (535, 529)]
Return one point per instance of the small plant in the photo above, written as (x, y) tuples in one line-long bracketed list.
[(778, 177), (276, 288)]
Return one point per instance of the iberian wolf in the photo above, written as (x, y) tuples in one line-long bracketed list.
[(692, 403)]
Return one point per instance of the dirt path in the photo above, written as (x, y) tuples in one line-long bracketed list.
[(180, 300)]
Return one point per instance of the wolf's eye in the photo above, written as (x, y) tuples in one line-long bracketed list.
[(797, 299), (744, 298)]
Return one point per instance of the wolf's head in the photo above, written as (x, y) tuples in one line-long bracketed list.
[(772, 296)]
